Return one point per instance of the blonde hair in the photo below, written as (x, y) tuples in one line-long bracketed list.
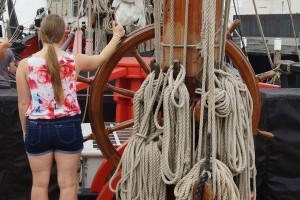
[(52, 31)]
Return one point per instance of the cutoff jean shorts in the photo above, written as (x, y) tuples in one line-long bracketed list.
[(62, 135)]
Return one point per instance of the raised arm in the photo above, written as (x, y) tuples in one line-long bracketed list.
[(89, 63)]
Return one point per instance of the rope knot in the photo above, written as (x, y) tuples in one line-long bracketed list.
[(155, 136), (141, 136)]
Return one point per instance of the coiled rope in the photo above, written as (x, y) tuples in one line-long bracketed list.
[(140, 161), (226, 110), (161, 154), (176, 140)]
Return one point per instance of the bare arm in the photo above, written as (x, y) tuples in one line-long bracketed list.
[(23, 92), (89, 63)]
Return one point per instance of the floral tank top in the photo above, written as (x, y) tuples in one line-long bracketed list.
[(43, 104)]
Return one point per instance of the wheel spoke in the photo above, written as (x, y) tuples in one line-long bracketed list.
[(122, 91), (85, 80), (233, 27), (141, 61), (99, 86), (89, 137), (266, 75), (123, 125)]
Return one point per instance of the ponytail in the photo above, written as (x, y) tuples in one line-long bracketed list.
[(54, 70), (52, 31)]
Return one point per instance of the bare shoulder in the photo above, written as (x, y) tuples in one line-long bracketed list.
[(23, 62), (23, 65)]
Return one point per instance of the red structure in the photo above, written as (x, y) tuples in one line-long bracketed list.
[(129, 75)]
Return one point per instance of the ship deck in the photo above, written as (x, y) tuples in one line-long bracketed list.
[(255, 45)]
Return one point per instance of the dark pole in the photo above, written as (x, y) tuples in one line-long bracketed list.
[(13, 20)]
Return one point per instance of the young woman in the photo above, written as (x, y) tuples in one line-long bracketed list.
[(48, 107)]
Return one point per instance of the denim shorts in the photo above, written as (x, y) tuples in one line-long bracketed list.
[(62, 135)]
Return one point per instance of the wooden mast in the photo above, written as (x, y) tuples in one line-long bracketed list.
[(194, 62)]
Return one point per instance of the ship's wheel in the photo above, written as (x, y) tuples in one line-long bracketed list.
[(129, 44)]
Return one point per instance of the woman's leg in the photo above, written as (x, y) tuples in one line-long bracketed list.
[(67, 166), (41, 169)]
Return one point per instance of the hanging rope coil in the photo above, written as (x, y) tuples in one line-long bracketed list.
[(141, 156), (233, 124), (226, 110), (161, 153), (176, 144), (233, 142)]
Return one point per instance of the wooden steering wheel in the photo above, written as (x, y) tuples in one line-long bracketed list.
[(129, 44)]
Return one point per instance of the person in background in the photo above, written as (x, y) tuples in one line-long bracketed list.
[(49, 110), (7, 64)]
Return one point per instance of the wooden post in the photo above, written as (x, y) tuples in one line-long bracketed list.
[(277, 51), (194, 62)]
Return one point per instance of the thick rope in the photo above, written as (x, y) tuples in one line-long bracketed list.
[(237, 133), (262, 35), (102, 27), (234, 143), (223, 36), (159, 155), (229, 107), (172, 31), (226, 188), (157, 26), (140, 161), (2, 9), (186, 26), (176, 141)]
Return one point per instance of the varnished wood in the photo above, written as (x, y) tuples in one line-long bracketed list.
[(126, 45), (141, 61), (196, 106), (233, 26), (89, 137), (101, 78), (122, 91), (85, 80), (193, 69), (265, 134), (194, 36), (277, 57), (121, 126), (208, 190), (266, 75)]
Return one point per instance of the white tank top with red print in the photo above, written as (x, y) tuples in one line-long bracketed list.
[(43, 104)]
